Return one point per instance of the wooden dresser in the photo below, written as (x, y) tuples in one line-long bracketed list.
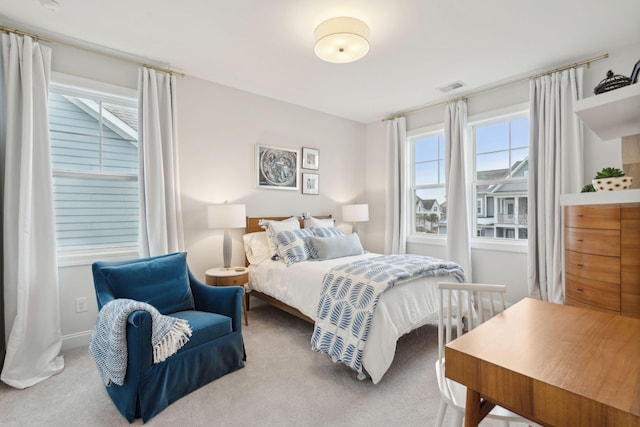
[(602, 255)]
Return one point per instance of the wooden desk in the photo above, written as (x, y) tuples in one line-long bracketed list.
[(554, 364)]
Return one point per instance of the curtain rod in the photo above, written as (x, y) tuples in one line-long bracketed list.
[(108, 55), (500, 86)]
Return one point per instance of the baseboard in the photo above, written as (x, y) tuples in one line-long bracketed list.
[(78, 339)]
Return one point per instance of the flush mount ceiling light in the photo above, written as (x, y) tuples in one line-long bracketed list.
[(341, 40)]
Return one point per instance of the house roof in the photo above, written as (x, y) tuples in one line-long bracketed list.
[(428, 203)]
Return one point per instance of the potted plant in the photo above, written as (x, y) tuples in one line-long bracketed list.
[(588, 188), (611, 179)]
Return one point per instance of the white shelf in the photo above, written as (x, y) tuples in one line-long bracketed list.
[(601, 197), (612, 114)]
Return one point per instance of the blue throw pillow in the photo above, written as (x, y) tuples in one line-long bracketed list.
[(161, 281), (292, 246), (336, 246), (327, 231)]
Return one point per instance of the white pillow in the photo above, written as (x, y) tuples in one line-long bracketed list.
[(274, 227), (256, 247), (311, 222)]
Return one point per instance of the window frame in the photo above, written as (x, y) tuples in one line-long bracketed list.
[(412, 235), (492, 116), (65, 84), (503, 245)]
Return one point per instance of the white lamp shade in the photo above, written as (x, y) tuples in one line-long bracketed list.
[(341, 40), (227, 216), (355, 213)]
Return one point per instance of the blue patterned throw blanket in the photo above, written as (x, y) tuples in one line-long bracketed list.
[(350, 294), (108, 344)]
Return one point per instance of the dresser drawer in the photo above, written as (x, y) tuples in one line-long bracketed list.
[(593, 241), (602, 216), (596, 267), (593, 293), (630, 260)]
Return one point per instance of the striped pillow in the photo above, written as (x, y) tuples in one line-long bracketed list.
[(327, 231), (292, 245)]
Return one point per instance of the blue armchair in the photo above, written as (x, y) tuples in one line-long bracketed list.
[(214, 314)]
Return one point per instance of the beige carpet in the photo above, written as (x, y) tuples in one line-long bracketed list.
[(284, 383)]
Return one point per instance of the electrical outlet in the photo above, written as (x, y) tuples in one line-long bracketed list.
[(81, 304)]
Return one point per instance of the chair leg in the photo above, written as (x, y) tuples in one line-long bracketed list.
[(442, 408)]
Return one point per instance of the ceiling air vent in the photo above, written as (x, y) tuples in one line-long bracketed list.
[(451, 86)]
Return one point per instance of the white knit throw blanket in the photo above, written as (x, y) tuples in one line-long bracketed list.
[(108, 344)]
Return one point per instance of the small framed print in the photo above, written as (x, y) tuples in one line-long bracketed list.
[(310, 158), (276, 168), (310, 183)]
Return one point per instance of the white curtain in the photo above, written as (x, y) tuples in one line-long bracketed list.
[(32, 309), (161, 212), (458, 229), (396, 203), (555, 167)]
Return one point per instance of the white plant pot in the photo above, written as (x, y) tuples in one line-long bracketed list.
[(612, 184)]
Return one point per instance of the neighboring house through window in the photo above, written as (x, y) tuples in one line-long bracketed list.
[(94, 155), (429, 211), (498, 165), (501, 150)]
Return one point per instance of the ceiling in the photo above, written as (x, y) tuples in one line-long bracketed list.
[(266, 46)]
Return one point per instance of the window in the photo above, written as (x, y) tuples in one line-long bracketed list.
[(501, 149), (429, 212), (94, 155)]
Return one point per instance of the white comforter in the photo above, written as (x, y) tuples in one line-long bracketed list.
[(401, 309)]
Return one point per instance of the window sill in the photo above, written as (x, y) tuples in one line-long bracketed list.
[(427, 240), (79, 257), (521, 246), (488, 245)]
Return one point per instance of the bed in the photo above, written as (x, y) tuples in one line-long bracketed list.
[(296, 289)]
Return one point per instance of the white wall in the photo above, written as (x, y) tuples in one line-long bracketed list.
[(218, 128), (495, 266)]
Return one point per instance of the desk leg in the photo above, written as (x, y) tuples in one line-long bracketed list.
[(472, 409), (476, 408)]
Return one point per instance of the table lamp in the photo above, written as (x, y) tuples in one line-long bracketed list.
[(355, 213), (227, 216)]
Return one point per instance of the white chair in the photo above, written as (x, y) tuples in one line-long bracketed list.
[(468, 305)]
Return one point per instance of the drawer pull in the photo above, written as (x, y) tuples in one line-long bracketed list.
[(580, 240), (580, 289), (580, 265)]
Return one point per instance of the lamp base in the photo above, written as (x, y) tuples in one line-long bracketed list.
[(226, 249)]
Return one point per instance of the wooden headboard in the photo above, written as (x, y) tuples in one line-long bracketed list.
[(253, 225)]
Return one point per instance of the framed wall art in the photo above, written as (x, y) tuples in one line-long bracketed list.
[(310, 158), (277, 168), (310, 183)]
